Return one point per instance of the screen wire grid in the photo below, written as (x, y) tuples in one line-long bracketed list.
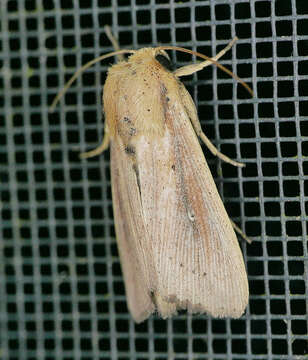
[(61, 288)]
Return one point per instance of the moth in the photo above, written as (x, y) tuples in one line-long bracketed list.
[(177, 245)]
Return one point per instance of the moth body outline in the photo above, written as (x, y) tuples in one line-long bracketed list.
[(177, 245), (178, 250)]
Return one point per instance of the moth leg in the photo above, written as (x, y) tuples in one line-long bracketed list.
[(216, 152), (102, 147), (114, 42), (192, 113), (106, 140), (240, 232), (191, 69)]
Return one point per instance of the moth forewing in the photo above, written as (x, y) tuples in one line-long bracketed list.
[(177, 246), (131, 233)]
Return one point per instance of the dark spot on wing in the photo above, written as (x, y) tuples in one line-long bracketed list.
[(132, 131), (153, 298), (164, 61), (127, 119), (135, 168), (130, 150)]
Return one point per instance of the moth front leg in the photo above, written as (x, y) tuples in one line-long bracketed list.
[(193, 116)]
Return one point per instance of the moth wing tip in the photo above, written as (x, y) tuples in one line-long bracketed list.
[(140, 316)]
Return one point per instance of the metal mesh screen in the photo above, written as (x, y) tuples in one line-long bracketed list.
[(61, 289)]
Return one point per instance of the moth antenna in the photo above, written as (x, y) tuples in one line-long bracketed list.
[(113, 41), (81, 70), (209, 60)]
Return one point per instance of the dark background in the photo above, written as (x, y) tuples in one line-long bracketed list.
[(61, 288)]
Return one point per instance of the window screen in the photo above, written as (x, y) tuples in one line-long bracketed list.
[(61, 287)]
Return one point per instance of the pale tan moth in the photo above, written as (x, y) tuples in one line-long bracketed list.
[(177, 245)]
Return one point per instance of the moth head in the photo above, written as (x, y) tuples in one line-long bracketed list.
[(163, 58)]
